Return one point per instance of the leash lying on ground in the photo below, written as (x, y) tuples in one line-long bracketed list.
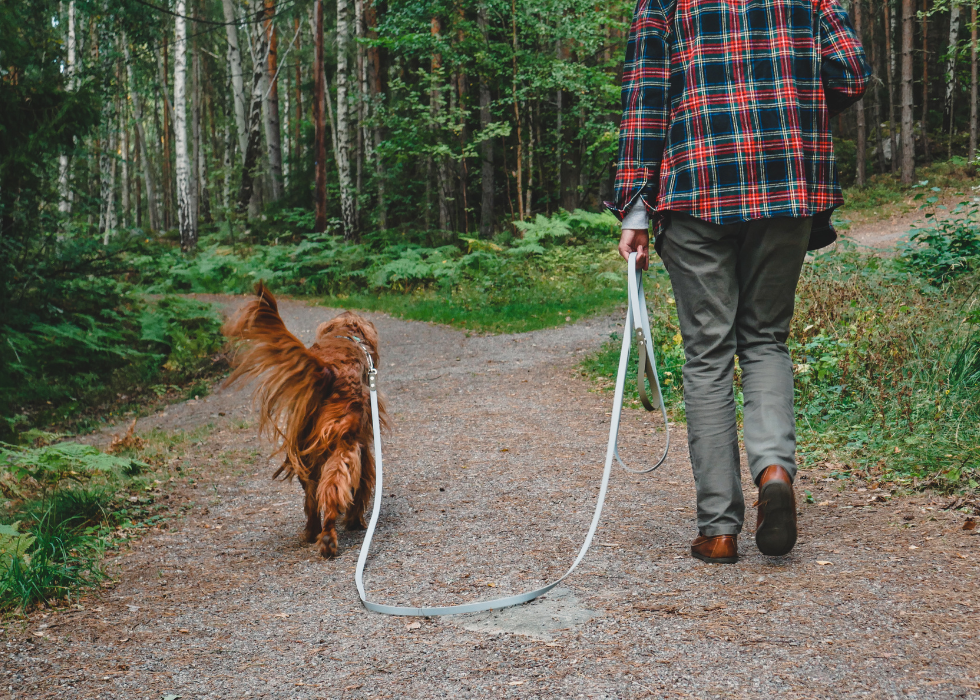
[(636, 318)]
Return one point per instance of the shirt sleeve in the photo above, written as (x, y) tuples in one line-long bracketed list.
[(844, 70), (646, 76), (637, 217)]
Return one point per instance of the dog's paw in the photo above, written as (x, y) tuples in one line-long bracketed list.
[(328, 546), (358, 523), (311, 535)]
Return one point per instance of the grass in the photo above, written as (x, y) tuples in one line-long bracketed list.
[(61, 515), (535, 308)]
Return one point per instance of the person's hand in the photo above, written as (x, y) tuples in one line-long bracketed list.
[(636, 240)]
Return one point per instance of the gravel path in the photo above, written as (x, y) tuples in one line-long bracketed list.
[(492, 472)]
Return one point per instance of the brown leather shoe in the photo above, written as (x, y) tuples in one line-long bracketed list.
[(720, 549), (775, 533)]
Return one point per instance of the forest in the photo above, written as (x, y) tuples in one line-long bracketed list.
[(353, 148)]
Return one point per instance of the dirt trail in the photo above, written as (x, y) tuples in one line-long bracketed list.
[(492, 471)]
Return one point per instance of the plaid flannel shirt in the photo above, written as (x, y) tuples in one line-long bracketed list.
[(727, 106)]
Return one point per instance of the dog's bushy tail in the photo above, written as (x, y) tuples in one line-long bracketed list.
[(292, 382)]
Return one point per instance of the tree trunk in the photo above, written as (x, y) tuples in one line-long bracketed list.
[(926, 155), (908, 133), (167, 181), (517, 113), (298, 97), (235, 71), (530, 162), (973, 83), (487, 185), (435, 109), (347, 211), (464, 135), (64, 189), (186, 206), (202, 205), (877, 63), (273, 137), (138, 195), (152, 204), (374, 74), (954, 35), (860, 175), (253, 143), (226, 185), (320, 130), (890, 26), (107, 175), (124, 130), (361, 127)]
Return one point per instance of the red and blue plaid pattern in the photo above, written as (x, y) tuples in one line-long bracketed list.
[(726, 107)]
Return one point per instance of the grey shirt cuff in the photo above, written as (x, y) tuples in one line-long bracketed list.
[(637, 217)]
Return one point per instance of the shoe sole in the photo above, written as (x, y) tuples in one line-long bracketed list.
[(715, 560), (777, 532)]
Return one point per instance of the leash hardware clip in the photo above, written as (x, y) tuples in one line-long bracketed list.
[(372, 379)]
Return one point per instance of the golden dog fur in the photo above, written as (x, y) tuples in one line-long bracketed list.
[(314, 403)]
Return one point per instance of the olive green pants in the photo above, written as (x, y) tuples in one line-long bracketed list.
[(735, 287)]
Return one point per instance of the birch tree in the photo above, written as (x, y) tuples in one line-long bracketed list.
[(250, 157), (347, 211), (273, 138), (64, 205), (319, 127), (951, 45), (235, 72), (152, 205), (186, 205)]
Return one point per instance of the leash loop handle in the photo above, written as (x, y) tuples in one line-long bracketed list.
[(635, 310)]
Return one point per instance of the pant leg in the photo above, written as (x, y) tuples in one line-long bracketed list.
[(771, 253), (702, 260)]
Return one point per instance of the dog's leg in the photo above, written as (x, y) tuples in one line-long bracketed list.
[(355, 513), (341, 471), (312, 509), (328, 538)]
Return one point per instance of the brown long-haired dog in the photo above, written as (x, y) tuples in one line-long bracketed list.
[(315, 404)]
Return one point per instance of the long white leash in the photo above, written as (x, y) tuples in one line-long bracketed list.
[(636, 309)]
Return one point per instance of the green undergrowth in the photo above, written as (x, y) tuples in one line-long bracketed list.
[(886, 355), (885, 195), (78, 340), (65, 505), (556, 270)]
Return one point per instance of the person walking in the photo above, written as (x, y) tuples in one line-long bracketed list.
[(726, 153)]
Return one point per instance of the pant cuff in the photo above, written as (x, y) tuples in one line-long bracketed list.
[(789, 467), (715, 530)]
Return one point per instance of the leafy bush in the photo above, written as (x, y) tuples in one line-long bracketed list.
[(946, 249), (75, 333), (26, 472)]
